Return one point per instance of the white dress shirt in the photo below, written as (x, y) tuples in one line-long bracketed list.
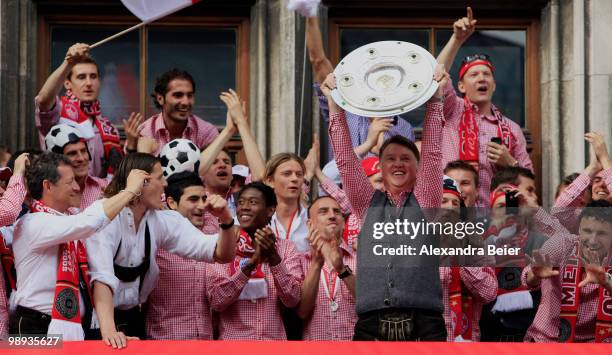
[(36, 240), (169, 230), (298, 233)]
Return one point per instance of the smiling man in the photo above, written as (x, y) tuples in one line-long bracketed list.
[(389, 292), (65, 140), (178, 307), (472, 121), (265, 273), (174, 95), (583, 271)]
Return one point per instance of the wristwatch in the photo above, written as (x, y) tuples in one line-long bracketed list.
[(226, 226), (346, 272)]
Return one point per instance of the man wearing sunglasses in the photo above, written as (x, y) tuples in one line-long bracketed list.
[(486, 139)]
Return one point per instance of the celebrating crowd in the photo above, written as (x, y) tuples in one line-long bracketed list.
[(160, 236)]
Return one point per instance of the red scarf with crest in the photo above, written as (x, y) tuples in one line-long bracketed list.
[(570, 277), (461, 305), (79, 112), (71, 258), (469, 133)]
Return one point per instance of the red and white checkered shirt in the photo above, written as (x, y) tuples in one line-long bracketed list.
[(488, 128), (92, 191), (11, 200), (567, 206), (323, 323), (178, 307), (482, 284), (428, 187), (545, 326), (258, 319), (200, 132)]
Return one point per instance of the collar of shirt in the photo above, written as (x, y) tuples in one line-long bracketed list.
[(298, 232), (160, 126), (399, 199), (495, 117)]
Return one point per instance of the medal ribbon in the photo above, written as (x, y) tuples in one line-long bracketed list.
[(334, 284), (288, 233)]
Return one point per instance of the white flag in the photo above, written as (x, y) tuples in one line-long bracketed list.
[(151, 10)]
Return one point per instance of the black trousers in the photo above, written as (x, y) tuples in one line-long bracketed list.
[(400, 325), (131, 322), (27, 321)]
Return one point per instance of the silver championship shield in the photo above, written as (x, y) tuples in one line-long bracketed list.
[(386, 78)]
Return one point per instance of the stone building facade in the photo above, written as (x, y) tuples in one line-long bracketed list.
[(567, 89)]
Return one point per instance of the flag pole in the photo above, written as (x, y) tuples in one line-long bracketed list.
[(117, 35)]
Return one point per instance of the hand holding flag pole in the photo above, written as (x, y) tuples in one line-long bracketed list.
[(148, 11)]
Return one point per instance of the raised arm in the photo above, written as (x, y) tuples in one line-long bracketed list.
[(321, 66), (208, 155), (51, 88), (237, 112), (354, 180), (183, 238), (428, 189), (463, 28), (11, 200), (334, 191)]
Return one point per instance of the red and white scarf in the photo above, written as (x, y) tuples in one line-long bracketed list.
[(461, 306), (570, 277), (8, 263), (518, 297), (80, 115), (256, 287), (66, 315), (469, 133)]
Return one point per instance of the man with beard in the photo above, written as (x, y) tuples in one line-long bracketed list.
[(472, 121), (328, 291), (573, 272), (174, 95), (248, 292), (81, 109)]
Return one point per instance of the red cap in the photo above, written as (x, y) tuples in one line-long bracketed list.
[(464, 68), (370, 166)]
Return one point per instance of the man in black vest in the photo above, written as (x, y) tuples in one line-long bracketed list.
[(398, 297)]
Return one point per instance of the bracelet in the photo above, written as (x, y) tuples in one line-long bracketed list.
[(226, 226), (132, 192)]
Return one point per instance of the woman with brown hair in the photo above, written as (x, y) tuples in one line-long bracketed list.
[(123, 266)]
